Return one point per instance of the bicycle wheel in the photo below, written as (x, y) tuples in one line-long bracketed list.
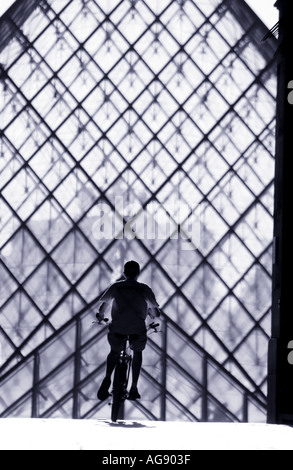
[(119, 389)]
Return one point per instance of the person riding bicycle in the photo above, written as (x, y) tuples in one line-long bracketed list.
[(131, 301)]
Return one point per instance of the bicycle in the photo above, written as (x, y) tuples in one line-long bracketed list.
[(121, 374)]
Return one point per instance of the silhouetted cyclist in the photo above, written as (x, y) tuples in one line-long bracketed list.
[(132, 302)]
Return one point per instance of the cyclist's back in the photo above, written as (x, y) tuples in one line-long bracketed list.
[(131, 301)]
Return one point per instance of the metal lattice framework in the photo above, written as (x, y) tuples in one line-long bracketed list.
[(158, 103)]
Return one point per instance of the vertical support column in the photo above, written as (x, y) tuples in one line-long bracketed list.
[(77, 360), (35, 395), (245, 408), (204, 404), (280, 372), (164, 370)]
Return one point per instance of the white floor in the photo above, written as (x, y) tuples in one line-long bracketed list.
[(62, 434)]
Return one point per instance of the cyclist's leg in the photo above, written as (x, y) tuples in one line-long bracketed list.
[(111, 363), (115, 344), (137, 344), (136, 367)]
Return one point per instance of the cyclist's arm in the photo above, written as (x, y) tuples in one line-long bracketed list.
[(154, 312), (105, 300), (101, 313), (153, 306)]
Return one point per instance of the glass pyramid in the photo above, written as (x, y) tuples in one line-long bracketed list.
[(142, 130)]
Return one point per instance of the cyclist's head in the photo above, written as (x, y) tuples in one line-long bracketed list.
[(131, 269)]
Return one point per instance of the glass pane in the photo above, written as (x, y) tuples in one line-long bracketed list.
[(138, 130)]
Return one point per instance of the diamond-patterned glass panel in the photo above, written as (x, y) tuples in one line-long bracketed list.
[(137, 130)]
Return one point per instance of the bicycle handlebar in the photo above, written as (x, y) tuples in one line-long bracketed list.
[(99, 322), (152, 326)]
